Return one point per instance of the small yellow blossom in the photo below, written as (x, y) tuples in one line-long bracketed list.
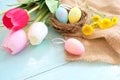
[(96, 18), (105, 23), (114, 20), (87, 30), (95, 24)]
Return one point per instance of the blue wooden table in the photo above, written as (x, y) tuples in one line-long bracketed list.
[(47, 61)]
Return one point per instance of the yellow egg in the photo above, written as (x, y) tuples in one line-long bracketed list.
[(74, 15)]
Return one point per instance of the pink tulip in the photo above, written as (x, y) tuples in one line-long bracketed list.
[(15, 19), (15, 41)]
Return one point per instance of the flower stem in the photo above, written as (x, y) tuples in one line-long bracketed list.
[(58, 3), (41, 15), (44, 19), (94, 12), (35, 8), (1, 25), (40, 12), (1, 13)]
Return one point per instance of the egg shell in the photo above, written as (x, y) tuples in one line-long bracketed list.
[(74, 15), (61, 15), (74, 46)]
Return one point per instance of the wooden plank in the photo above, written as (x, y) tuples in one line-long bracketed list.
[(81, 71), (33, 59)]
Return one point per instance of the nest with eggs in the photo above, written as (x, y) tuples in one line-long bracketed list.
[(68, 27)]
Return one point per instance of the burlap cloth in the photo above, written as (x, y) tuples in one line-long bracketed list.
[(103, 45)]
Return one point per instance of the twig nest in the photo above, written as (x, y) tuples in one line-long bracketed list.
[(69, 27)]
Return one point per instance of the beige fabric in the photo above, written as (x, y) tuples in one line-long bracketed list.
[(103, 45)]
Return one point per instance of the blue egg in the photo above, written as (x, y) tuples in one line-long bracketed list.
[(61, 15)]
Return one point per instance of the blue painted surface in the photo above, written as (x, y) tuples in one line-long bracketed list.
[(47, 62)]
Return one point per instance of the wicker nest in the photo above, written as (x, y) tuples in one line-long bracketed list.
[(68, 28)]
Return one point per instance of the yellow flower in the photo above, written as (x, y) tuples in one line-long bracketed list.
[(105, 23), (87, 30), (95, 24), (96, 18), (114, 20)]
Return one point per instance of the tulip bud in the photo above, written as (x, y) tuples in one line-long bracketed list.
[(15, 41), (15, 19), (37, 32)]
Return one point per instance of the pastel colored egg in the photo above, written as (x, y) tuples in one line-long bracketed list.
[(74, 46), (74, 15), (15, 42), (61, 15)]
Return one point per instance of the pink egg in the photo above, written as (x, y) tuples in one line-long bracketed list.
[(74, 46), (15, 42)]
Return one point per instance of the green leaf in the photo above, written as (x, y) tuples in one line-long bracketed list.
[(42, 3), (52, 5), (28, 1)]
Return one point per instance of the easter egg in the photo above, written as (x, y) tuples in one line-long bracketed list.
[(74, 46), (74, 15), (61, 15)]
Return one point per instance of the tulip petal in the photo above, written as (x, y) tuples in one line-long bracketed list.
[(15, 42), (37, 32), (15, 19), (9, 22)]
